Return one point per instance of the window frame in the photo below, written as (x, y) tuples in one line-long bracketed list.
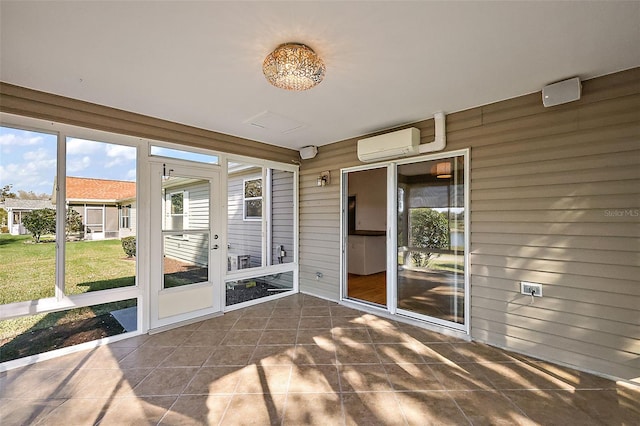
[(245, 199)]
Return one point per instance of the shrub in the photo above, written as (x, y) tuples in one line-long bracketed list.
[(429, 229), (129, 246), (40, 222)]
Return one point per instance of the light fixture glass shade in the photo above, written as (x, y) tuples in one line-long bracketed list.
[(443, 170), (293, 66)]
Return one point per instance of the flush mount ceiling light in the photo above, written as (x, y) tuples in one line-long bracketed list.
[(293, 66)]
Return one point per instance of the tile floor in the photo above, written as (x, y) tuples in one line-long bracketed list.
[(302, 361)]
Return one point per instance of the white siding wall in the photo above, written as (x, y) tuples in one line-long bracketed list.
[(192, 248), (244, 236), (282, 215)]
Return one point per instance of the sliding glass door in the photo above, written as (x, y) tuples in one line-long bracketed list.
[(420, 238), (431, 214)]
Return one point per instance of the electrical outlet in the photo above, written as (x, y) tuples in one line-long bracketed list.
[(529, 288)]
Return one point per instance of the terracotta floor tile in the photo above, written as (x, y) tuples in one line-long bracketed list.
[(85, 411), (430, 408), (165, 381), (205, 338), (249, 323), (312, 379), (282, 323), (186, 356), (268, 379), (146, 356), (169, 338), (242, 337), (609, 406), (315, 322), (313, 336), (412, 377), (359, 353), (273, 364), (315, 311), (345, 322), (137, 410), (347, 336), (322, 409), (197, 410), (490, 408), (394, 353), (548, 407), (374, 408), (363, 378), (273, 355), (26, 411), (231, 355), (278, 337), (518, 375), (214, 380), (465, 376), (251, 409), (324, 353)]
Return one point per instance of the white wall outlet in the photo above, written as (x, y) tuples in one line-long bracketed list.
[(531, 289)]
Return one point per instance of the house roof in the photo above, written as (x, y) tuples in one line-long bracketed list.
[(19, 204), (99, 189)]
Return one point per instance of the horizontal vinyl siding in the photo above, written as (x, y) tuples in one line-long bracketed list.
[(282, 211), (555, 196), (319, 215), (244, 236), (46, 106)]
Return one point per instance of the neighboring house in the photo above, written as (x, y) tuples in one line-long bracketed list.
[(17, 209), (107, 207)]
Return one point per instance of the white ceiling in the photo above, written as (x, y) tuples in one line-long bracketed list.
[(388, 63)]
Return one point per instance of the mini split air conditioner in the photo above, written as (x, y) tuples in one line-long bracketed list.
[(402, 143)]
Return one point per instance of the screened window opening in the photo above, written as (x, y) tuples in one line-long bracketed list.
[(253, 199)]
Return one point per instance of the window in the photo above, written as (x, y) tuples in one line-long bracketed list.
[(177, 210), (159, 151), (252, 197), (125, 216)]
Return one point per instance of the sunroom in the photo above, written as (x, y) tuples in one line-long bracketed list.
[(499, 255)]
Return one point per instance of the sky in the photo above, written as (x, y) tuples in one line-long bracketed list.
[(28, 160)]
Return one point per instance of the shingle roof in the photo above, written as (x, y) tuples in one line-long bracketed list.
[(99, 189), (16, 203)]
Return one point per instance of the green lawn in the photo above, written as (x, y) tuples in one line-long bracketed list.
[(27, 272)]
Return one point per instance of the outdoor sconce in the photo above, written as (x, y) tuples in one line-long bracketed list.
[(324, 178)]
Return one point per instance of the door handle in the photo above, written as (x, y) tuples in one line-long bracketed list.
[(215, 247)]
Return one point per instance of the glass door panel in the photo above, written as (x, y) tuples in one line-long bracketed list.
[(185, 243), (185, 231), (431, 243)]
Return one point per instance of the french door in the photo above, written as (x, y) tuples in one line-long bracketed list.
[(185, 241), (413, 258)]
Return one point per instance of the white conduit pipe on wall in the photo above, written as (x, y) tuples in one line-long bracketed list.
[(440, 139)]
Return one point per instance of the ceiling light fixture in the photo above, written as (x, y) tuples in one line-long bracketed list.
[(443, 170), (293, 66)]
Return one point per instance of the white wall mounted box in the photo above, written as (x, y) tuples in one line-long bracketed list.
[(401, 143), (561, 92)]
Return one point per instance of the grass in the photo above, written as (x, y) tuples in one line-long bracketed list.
[(27, 272)]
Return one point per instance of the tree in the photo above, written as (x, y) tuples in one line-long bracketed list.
[(6, 192), (39, 222), (73, 223), (429, 229)]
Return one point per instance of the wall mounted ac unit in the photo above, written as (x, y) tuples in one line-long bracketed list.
[(401, 143)]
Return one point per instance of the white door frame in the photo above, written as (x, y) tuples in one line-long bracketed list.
[(173, 306), (392, 221)]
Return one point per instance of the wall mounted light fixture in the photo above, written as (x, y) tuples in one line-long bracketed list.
[(324, 178)]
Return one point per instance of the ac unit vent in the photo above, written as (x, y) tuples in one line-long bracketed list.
[(402, 143)]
